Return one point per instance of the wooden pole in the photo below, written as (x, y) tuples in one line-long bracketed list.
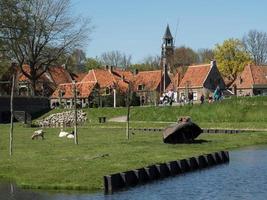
[(75, 115), (114, 97), (11, 116), (128, 112)]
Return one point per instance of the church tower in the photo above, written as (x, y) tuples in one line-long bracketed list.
[(167, 51)]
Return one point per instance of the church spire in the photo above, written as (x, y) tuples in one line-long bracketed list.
[(167, 34), (167, 51)]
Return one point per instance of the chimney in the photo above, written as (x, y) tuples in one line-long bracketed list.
[(111, 69), (213, 63), (135, 71)]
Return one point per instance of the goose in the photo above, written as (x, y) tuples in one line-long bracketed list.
[(63, 133)]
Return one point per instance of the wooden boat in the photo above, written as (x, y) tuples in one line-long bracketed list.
[(182, 132)]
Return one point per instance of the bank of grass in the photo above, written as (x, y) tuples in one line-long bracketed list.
[(57, 163), (238, 113)]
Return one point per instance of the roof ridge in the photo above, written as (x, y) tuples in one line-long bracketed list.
[(251, 73), (93, 71), (200, 65)]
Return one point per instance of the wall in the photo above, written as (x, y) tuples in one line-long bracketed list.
[(30, 105)]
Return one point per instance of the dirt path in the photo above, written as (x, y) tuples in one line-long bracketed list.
[(118, 119)]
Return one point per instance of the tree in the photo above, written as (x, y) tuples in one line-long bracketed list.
[(205, 55), (92, 63), (184, 56), (74, 61), (255, 43), (116, 58), (148, 63), (38, 32), (231, 58)]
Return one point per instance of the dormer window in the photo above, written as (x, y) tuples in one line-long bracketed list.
[(61, 93), (240, 80), (108, 91), (140, 87)]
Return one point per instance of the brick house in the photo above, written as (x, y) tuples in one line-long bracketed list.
[(149, 85), (46, 84), (63, 95), (200, 79), (105, 87), (252, 81)]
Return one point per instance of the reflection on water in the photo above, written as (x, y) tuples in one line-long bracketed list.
[(243, 178)]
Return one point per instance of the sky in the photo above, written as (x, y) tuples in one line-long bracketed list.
[(136, 27)]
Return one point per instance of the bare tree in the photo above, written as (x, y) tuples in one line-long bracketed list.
[(38, 32), (115, 58), (255, 43), (153, 61), (205, 55), (184, 56)]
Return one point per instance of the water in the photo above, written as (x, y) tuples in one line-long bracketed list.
[(245, 177)]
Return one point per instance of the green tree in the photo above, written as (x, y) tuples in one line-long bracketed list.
[(231, 58), (92, 63)]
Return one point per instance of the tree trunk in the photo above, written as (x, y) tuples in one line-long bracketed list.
[(33, 87), (11, 116)]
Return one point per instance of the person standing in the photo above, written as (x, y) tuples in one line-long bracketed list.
[(202, 98)]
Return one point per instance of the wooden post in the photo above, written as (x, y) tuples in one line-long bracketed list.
[(114, 94), (75, 114), (11, 116), (128, 111)]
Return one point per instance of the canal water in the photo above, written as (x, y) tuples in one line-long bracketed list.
[(245, 177)]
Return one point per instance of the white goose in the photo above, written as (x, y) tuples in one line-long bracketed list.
[(63, 133)]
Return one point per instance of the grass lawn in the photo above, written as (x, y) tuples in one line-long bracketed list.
[(57, 163)]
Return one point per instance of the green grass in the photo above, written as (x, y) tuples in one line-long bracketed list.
[(250, 112), (57, 163)]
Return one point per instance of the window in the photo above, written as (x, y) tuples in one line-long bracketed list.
[(194, 96), (108, 91), (140, 87), (240, 80), (62, 93)]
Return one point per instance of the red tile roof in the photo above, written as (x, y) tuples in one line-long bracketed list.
[(128, 75), (252, 75), (103, 77), (195, 76), (55, 75), (84, 90), (59, 74), (79, 76), (106, 78), (150, 79)]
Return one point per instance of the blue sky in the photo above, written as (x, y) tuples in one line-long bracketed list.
[(136, 27)]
